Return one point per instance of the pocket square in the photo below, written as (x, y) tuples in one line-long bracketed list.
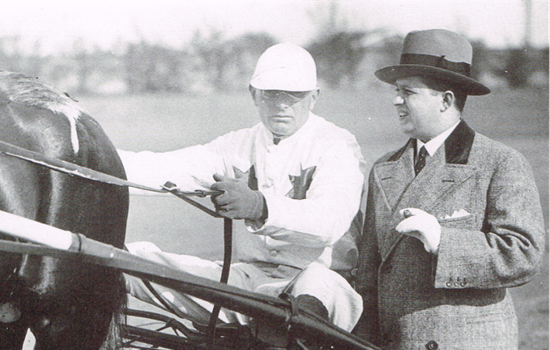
[(457, 214)]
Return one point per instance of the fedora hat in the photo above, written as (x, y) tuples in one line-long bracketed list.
[(435, 53)]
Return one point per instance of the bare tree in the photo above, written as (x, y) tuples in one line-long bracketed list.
[(151, 68), (338, 57)]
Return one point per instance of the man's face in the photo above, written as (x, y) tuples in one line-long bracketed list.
[(284, 112), (419, 108)]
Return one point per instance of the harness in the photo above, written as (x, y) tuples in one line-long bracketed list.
[(169, 187)]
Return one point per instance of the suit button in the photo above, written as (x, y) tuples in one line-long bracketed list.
[(387, 268), (273, 253), (449, 284), (432, 345)]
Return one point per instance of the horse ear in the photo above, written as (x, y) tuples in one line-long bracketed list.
[(69, 96)]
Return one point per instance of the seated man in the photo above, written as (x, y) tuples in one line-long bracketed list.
[(294, 178)]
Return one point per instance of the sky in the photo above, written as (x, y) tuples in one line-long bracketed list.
[(56, 24)]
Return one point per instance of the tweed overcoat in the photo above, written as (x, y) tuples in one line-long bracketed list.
[(484, 196)]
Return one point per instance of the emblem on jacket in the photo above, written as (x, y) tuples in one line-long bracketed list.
[(248, 177), (301, 183)]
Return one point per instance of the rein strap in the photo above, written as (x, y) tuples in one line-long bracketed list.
[(94, 175)]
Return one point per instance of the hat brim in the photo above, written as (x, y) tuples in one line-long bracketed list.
[(391, 74)]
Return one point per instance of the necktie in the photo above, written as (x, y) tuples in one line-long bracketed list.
[(420, 160)]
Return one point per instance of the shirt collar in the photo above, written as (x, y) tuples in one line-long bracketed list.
[(433, 145)]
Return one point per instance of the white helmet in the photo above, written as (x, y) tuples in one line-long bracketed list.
[(285, 67)]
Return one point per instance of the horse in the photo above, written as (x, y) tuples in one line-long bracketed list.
[(66, 304)]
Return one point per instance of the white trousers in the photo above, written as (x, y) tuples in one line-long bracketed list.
[(344, 305)]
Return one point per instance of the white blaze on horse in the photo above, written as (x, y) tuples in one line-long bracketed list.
[(66, 304)]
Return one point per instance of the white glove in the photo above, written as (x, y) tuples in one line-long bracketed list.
[(422, 226)]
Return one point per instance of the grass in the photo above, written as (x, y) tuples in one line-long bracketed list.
[(165, 122)]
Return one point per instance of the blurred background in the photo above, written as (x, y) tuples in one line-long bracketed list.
[(164, 74), (131, 47)]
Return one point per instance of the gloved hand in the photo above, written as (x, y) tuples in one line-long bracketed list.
[(422, 226), (238, 201)]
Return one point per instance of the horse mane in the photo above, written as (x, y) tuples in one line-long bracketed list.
[(28, 91)]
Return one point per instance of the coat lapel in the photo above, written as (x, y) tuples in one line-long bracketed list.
[(447, 169), (393, 179), (394, 176), (434, 182)]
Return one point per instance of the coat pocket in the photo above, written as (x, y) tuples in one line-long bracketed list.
[(466, 222)]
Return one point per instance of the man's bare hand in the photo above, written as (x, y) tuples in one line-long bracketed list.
[(422, 226)]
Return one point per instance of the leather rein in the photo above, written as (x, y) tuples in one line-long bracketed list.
[(169, 187)]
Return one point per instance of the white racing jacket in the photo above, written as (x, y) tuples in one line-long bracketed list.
[(312, 182)]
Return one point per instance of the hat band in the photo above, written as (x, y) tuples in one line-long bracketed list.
[(436, 61)]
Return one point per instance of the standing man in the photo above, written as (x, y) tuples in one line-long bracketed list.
[(294, 178), (453, 217)]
